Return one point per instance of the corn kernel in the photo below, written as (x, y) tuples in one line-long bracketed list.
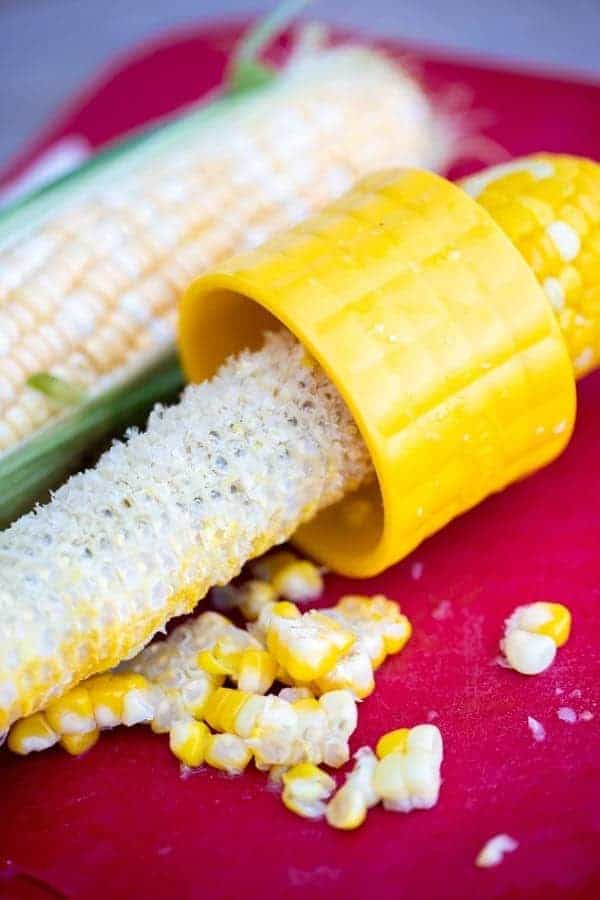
[(348, 807), (215, 663), (493, 851), (393, 742), (188, 741), (227, 752), (267, 566), (73, 713), (309, 646), (354, 672), (139, 700), (257, 671), (410, 779), (77, 744), (306, 788), (106, 694), (312, 728), (342, 718), (254, 596), (298, 581), (558, 624), (532, 634), (31, 734), (292, 694), (223, 707)]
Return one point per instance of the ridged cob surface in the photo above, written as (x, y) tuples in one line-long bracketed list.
[(217, 479), (91, 271), (232, 469)]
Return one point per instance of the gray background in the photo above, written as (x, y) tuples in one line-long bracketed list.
[(49, 47)]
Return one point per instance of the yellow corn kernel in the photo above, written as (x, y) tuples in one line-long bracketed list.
[(215, 663), (269, 565), (409, 778), (106, 694), (306, 788), (76, 744), (393, 742), (378, 620), (309, 646), (223, 707), (254, 595), (558, 624), (354, 672), (286, 610), (256, 671), (227, 752), (138, 698), (547, 205), (188, 741), (298, 581), (348, 807), (31, 734), (73, 713), (532, 634)]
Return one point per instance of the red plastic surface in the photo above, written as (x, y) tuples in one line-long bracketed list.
[(122, 822)]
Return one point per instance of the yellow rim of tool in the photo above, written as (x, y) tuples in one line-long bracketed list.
[(435, 332)]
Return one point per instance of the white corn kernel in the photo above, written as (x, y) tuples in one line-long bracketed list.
[(227, 752), (347, 809), (532, 634), (306, 790), (493, 851)]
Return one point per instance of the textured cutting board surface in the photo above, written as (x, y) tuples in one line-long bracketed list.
[(122, 822)]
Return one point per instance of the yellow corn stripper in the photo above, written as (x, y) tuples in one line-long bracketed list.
[(452, 319)]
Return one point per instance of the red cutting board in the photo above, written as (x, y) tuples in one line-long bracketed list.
[(122, 822)]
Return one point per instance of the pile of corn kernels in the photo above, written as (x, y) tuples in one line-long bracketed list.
[(281, 691)]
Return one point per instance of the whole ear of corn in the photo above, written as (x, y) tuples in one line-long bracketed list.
[(91, 269)]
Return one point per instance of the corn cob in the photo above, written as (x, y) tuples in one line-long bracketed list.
[(90, 272), (125, 546), (549, 206), (232, 470)]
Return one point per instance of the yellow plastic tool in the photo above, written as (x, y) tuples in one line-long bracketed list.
[(435, 331)]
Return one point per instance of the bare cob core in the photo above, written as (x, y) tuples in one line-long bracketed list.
[(231, 470)]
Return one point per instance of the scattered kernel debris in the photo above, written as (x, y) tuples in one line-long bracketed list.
[(442, 611), (493, 851), (537, 729), (416, 570), (586, 716), (567, 714)]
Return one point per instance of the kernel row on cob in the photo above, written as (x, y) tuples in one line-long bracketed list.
[(241, 462), (91, 269)]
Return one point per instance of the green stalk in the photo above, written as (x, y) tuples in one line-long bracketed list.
[(44, 460)]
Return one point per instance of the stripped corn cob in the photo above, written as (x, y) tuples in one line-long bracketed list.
[(172, 512), (141, 538), (90, 274)]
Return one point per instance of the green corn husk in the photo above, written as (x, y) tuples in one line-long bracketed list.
[(41, 462)]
